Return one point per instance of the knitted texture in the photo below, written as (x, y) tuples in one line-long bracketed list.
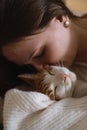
[(35, 111)]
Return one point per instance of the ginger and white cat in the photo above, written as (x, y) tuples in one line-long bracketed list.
[(55, 81)]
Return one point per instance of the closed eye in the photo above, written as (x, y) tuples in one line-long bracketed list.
[(40, 53), (51, 73)]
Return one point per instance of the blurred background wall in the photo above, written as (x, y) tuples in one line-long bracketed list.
[(79, 7)]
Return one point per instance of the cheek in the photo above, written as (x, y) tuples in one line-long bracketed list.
[(53, 53)]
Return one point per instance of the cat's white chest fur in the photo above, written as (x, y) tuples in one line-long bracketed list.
[(62, 80)]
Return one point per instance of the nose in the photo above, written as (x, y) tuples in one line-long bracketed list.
[(38, 66), (64, 76)]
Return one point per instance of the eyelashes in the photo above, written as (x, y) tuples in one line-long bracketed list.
[(40, 54)]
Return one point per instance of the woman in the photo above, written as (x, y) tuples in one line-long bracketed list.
[(42, 32)]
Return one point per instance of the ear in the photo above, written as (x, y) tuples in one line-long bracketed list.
[(28, 78), (62, 19)]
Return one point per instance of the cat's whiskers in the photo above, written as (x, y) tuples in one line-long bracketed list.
[(62, 63), (58, 63)]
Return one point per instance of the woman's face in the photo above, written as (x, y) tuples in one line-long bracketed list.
[(48, 47)]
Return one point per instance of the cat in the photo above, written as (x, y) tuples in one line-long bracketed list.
[(57, 82)]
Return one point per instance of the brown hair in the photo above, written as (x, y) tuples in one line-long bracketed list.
[(19, 18)]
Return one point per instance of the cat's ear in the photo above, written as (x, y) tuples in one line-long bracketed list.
[(28, 78)]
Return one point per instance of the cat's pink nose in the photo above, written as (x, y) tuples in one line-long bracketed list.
[(64, 76)]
